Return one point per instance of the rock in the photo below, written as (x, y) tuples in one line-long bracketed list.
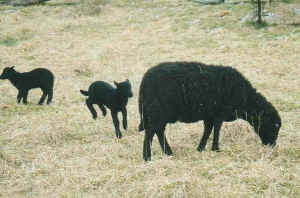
[(26, 2), (296, 10), (209, 1), (268, 17)]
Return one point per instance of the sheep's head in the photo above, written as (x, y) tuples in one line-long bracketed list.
[(267, 125), (124, 88), (7, 71)]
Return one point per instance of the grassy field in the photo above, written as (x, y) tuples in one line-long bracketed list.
[(60, 151)]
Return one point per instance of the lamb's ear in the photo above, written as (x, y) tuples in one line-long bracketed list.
[(12, 67), (117, 84)]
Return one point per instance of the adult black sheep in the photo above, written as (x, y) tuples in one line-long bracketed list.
[(37, 78), (191, 91)]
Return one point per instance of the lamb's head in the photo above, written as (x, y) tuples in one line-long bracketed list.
[(124, 88), (267, 125), (7, 72)]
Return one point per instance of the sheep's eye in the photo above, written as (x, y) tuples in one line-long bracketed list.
[(277, 125)]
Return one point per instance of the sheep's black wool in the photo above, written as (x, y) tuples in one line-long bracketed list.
[(192, 91), (37, 78), (116, 99)]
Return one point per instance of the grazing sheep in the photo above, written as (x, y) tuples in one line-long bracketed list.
[(116, 99), (191, 91), (37, 78)]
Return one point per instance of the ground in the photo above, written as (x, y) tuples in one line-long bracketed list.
[(60, 151)]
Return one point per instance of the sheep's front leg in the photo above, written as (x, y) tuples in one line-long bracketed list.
[(124, 114), (20, 95), (217, 127), (114, 115), (207, 131), (91, 108)]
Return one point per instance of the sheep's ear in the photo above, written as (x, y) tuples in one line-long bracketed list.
[(12, 67), (117, 84)]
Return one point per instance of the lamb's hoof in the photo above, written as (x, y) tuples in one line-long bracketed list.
[(119, 135), (94, 117), (216, 149), (147, 159), (200, 149), (141, 128)]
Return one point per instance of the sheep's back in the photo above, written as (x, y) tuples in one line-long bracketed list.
[(39, 77), (189, 92)]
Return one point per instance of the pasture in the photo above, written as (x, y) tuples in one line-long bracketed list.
[(59, 151)]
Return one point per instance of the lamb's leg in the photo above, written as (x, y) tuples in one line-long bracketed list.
[(163, 141), (147, 144), (43, 97), (25, 95), (207, 131), (114, 115), (124, 114), (91, 108), (217, 127), (19, 96), (50, 96), (103, 109)]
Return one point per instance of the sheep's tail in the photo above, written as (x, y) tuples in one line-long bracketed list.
[(85, 93), (141, 125)]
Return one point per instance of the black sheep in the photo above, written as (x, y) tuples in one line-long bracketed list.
[(37, 78), (116, 99), (191, 91)]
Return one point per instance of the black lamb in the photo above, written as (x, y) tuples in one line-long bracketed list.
[(191, 91), (37, 78), (116, 99)]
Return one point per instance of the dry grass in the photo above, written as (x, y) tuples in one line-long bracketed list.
[(59, 151)]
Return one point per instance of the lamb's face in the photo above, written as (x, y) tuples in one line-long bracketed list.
[(269, 128), (6, 72), (124, 88)]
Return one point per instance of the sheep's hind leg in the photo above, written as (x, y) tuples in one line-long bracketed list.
[(91, 108), (147, 144), (43, 97), (207, 131), (217, 127), (103, 109), (50, 96), (163, 141), (114, 115), (25, 95)]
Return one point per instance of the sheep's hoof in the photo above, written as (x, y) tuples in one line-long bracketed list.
[(94, 117)]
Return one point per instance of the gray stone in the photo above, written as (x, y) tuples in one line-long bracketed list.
[(296, 10), (209, 1), (26, 2), (268, 17)]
